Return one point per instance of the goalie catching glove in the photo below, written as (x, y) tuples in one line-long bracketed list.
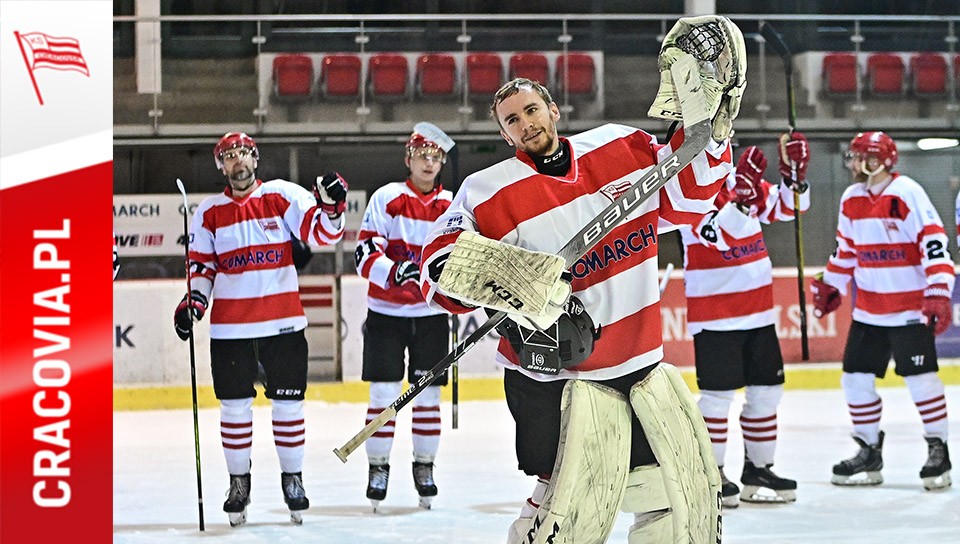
[(492, 274), (717, 45), (566, 343)]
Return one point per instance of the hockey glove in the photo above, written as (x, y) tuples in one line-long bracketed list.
[(556, 303), (405, 272), (182, 322), (826, 298), (937, 308), (330, 191), (794, 157), (749, 189)]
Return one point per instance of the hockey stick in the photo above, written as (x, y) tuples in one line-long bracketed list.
[(193, 360), (696, 117), (455, 379), (776, 41), (666, 278)]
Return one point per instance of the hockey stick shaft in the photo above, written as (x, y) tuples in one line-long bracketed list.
[(697, 131), (776, 41), (666, 278), (193, 359), (455, 371)]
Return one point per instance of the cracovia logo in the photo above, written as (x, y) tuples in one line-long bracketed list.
[(615, 189), (41, 50)]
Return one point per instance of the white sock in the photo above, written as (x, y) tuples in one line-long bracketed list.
[(426, 424), (927, 393), (864, 404), (289, 434), (715, 407), (382, 394), (236, 433)]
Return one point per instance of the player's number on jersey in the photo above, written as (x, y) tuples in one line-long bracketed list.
[(935, 249), (364, 250)]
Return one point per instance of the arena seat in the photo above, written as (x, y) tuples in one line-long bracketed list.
[(340, 75), (885, 73), (581, 77), (839, 73), (436, 75), (388, 75), (484, 74), (928, 74), (532, 66), (292, 76)]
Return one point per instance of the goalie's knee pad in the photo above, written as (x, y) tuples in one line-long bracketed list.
[(688, 471), (590, 473)]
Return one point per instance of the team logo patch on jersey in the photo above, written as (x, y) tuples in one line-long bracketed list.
[(269, 224), (615, 189)]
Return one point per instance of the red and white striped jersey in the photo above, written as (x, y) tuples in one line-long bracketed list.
[(732, 289), (894, 246), (394, 226), (617, 279), (240, 254)]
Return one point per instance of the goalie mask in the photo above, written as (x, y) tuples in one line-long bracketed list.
[(717, 45), (565, 344)]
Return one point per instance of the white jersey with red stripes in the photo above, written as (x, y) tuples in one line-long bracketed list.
[(894, 246), (732, 289), (617, 279), (240, 254), (394, 226)]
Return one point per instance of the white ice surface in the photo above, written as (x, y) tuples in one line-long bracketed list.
[(481, 491)]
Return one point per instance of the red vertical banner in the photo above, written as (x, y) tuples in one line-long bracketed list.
[(56, 357), (56, 295)]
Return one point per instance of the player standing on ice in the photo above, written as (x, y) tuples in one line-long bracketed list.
[(241, 257), (394, 226), (891, 241), (730, 315), (571, 366)]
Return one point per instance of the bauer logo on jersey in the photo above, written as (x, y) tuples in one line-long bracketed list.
[(615, 189)]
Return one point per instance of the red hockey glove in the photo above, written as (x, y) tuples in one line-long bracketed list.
[(330, 191), (826, 298), (937, 308), (404, 272), (181, 317), (794, 155), (749, 178)]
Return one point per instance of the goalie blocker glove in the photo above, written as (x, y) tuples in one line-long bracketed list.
[(182, 322), (330, 190), (566, 343)]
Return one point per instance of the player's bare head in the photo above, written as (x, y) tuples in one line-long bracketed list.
[(527, 117), (513, 87)]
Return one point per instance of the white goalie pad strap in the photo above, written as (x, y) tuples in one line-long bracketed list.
[(589, 477), (501, 276), (678, 436), (718, 46)]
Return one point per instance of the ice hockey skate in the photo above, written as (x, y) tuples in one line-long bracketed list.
[(761, 485), (238, 497), (294, 495), (729, 492), (423, 480), (378, 477), (864, 467), (936, 471)]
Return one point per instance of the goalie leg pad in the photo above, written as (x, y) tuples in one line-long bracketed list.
[(590, 475), (490, 273), (678, 437)]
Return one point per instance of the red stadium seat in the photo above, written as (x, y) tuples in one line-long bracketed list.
[(839, 73), (388, 75), (436, 75), (340, 75), (885, 74), (928, 74), (484, 74), (292, 76), (581, 76), (532, 66)]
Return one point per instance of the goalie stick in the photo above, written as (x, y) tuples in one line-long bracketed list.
[(776, 41), (697, 127), (193, 359)]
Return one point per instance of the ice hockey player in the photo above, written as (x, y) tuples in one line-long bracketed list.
[(241, 258), (399, 321), (730, 314), (891, 242), (579, 342)]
